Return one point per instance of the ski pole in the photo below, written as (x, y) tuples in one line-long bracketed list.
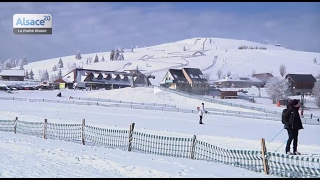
[(281, 146), (275, 136)]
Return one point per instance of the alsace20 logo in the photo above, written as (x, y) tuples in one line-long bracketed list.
[(32, 24)]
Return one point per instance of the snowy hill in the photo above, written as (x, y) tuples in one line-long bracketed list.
[(209, 54)]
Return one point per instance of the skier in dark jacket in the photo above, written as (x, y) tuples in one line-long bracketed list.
[(293, 125)]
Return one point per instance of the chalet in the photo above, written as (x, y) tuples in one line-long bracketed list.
[(238, 82), (175, 79), (104, 79), (94, 78), (199, 84), (138, 78), (300, 83), (187, 79), (12, 75), (228, 93), (264, 77)]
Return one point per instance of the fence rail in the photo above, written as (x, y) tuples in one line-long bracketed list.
[(192, 148), (124, 102), (185, 94), (213, 111)]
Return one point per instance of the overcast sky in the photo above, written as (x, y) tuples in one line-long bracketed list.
[(99, 27)]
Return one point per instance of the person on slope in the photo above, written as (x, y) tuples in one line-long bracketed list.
[(293, 125), (59, 94), (202, 108), (200, 112)]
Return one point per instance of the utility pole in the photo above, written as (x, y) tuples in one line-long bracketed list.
[(302, 102)]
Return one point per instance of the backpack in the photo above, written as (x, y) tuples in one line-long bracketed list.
[(284, 118)]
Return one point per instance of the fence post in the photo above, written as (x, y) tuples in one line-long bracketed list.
[(15, 125), (264, 159), (82, 131), (45, 129), (130, 136), (193, 146)]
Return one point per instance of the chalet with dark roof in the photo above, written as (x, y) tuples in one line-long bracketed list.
[(175, 79), (105, 79), (300, 83), (186, 79)]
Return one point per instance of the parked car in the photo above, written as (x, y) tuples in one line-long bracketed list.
[(4, 87), (19, 87)]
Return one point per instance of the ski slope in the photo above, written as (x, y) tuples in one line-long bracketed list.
[(27, 156), (220, 54)]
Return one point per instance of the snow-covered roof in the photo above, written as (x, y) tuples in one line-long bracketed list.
[(66, 80), (83, 77), (229, 89), (104, 75), (239, 79), (96, 75), (12, 72), (113, 76)]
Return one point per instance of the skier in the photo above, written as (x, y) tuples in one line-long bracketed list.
[(293, 125), (59, 94), (202, 108), (200, 112)]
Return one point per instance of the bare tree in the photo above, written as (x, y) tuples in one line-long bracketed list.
[(253, 72), (21, 67), (26, 74), (317, 100), (44, 75), (73, 66), (78, 55), (207, 76), (24, 60), (219, 73), (59, 75), (282, 70), (229, 73), (316, 88), (277, 90), (31, 74), (53, 77)]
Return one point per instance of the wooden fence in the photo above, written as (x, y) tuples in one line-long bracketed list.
[(192, 148)]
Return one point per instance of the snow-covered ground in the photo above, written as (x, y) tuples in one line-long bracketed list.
[(220, 54), (30, 157), (43, 155), (157, 59), (138, 94), (265, 102), (227, 132)]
